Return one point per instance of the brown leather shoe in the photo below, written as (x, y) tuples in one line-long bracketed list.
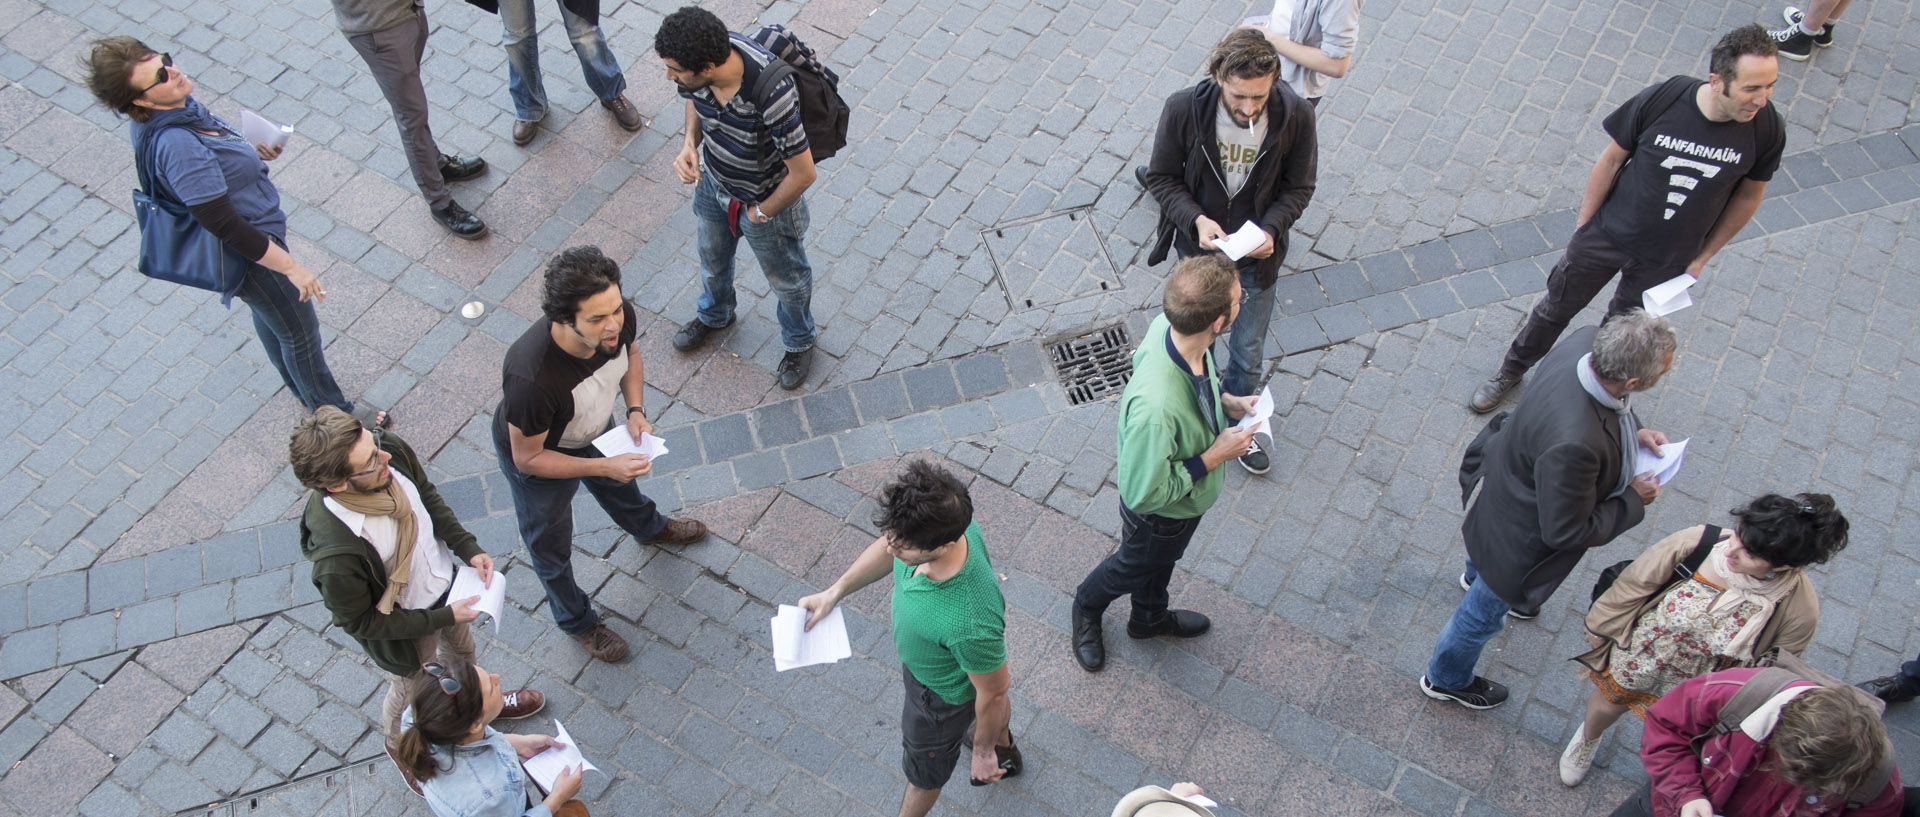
[(1490, 394), (679, 532), (603, 643), (524, 131), (521, 703), (571, 808), (623, 112)]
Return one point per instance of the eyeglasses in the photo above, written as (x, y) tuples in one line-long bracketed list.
[(373, 467), (160, 78), (448, 683)]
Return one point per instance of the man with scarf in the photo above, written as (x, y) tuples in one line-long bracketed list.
[(383, 547), (1555, 478)]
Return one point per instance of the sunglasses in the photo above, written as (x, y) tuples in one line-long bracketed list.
[(448, 683), (160, 77)]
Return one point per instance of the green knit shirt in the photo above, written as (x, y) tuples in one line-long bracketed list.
[(946, 630)]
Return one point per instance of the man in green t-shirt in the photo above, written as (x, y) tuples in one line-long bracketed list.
[(949, 627)]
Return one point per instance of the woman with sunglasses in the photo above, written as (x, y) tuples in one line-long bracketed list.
[(1652, 630), (202, 161), (466, 769)]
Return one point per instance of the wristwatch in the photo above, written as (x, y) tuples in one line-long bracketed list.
[(632, 409)]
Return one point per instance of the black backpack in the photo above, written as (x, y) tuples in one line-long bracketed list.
[(823, 114), (1681, 572)]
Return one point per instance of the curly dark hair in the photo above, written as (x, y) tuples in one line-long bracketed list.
[(692, 37), (576, 274), (1805, 529), (926, 507), (1743, 41), (439, 719)]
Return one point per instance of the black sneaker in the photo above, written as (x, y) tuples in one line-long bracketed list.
[(1255, 460), (1793, 43), (693, 335), (460, 221), (793, 369), (1824, 39), (1517, 615), (1481, 694)]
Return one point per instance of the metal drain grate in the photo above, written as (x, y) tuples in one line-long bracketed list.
[(1093, 365)]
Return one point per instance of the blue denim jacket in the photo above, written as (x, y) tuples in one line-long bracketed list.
[(481, 779)]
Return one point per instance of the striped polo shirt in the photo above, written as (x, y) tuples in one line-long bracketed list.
[(743, 148)]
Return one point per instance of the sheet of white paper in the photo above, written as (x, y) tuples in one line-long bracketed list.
[(1200, 800), (1281, 21), (466, 584), (1262, 409), (545, 767), (1244, 240), (617, 441), (1665, 465), (260, 131), (1669, 297), (795, 646)]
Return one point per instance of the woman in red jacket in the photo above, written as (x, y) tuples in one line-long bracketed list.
[(1801, 754)]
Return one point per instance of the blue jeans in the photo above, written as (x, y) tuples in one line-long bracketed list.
[(597, 63), (1247, 344), (778, 244), (1142, 567), (545, 510), (1480, 616), (289, 333)]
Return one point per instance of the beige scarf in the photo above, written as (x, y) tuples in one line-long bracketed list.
[(1767, 593), (391, 502)]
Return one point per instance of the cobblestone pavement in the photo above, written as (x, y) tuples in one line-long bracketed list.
[(161, 648)]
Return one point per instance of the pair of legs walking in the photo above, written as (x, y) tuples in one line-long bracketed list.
[(1142, 567), (393, 56)]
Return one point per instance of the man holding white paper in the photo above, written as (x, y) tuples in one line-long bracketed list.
[(949, 629), (1685, 167), (1235, 151), (383, 547), (558, 384)]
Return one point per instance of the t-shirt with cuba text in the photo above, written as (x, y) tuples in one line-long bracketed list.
[(544, 390), (1681, 171), (946, 630)]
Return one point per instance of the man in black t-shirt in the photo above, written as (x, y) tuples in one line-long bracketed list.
[(558, 385), (1686, 167)]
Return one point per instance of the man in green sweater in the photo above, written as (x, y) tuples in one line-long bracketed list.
[(1174, 436), (383, 547), (949, 628)]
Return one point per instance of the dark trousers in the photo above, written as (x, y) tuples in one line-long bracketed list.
[(1639, 805), (394, 58), (1589, 263), (1143, 566), (545, 509)]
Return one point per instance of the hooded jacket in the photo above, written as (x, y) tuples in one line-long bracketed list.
[(350, 576), (1184, 173)]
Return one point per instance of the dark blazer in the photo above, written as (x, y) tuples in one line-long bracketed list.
[(1545, 475), (1184, 173)]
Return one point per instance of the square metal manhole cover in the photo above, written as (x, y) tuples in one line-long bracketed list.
[(1051, 258), (1093, 365)]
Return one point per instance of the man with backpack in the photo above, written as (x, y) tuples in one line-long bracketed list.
[(1777, 740), (1685, 168), (747, 150)]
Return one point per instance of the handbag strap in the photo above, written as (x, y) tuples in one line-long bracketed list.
[(143, 161)]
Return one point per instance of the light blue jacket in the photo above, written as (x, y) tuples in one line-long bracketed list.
[(481, 779)]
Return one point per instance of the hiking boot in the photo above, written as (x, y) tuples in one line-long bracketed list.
[(1793, 43), (1176, 623), (793, 369), (1491, 393), (1256, 460), (524, 130), (521, 703), (1578, 758), (1481, 694), (693, 335), (623, 112), (679, 532), (603, 643), (1824, 39)]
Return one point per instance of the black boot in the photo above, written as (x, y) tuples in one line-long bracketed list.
[(1088, 648)]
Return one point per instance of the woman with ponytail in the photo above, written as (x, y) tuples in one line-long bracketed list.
[(464, 767), (1744, 593)]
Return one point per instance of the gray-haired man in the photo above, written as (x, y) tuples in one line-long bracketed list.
[(1556, 479)]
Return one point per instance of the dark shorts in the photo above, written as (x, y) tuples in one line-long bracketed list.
[(932, 734)]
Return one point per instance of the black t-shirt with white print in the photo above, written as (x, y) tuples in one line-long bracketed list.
[(1682, 169), (545, 390)]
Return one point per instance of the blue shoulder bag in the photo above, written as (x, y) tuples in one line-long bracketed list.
[(173, 246)]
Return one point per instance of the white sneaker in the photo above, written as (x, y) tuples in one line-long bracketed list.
[(1578, 758)]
